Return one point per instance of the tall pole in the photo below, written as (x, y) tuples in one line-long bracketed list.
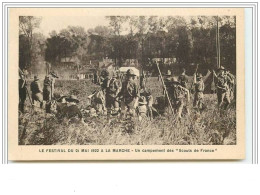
[(166, 92), (217, 43), (219, 61)]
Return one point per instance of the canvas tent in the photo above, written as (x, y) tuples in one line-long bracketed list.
[(124, 69)]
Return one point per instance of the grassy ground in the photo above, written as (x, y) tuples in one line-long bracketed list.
[(209, 128)]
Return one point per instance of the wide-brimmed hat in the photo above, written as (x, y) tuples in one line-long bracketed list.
[(36, 78), (221, 68), (142, 100), (60, 97), (130, 72), (72, 98)]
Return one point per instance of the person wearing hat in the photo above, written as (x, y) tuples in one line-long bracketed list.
[(183, 78), (104, 79), (22, 92), (178, 94), (167, 82), (112, 90), (223, 93), (129, 94), (36, 91), (47, 88), (61, 104), (198, 96)]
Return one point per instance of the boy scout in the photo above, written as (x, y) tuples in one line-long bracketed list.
[(129, 94), (198, 96), (47, 91), (178, 95), (36, 91), (112, 90), (22, 92), (223, 93)]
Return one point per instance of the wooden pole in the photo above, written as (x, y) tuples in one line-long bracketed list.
[(166, 92), (219, 61), (217, 43)]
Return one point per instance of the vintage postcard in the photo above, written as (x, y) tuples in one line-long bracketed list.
[(126, 84)]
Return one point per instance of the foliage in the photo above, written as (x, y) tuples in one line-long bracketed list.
[(186, 40), (29, 41), (70, 41)]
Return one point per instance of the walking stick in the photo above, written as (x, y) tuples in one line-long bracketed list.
[(166, 92)]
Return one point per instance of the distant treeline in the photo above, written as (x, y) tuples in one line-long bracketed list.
[(175, 40)]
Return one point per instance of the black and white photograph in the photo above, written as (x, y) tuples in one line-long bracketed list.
[(127, 80)]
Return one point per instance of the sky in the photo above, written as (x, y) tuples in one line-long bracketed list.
[(50, 23)]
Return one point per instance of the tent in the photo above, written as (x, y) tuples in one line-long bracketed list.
[(124, 69)]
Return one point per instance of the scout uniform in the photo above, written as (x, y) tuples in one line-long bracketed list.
[(47, 88), (112, 90), (129, 93), (178, 95), (22, 92), (104, 79), (199, 89), (36, 91), (223, 93)]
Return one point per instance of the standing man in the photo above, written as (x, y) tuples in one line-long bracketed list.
[(104, 80), (178, 95), (47, 91), (198, 96), (223, 93), (36, 91), (22, 91), (48, 88), (183, 79), (112, 100), (130, 94), (53, 77)]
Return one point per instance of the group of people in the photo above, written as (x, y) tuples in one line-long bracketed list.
[(38, 94), (126, 99), (177, 92)]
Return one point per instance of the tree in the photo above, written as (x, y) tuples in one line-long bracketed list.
[(27, 26), (116, 23), (69, 42)]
